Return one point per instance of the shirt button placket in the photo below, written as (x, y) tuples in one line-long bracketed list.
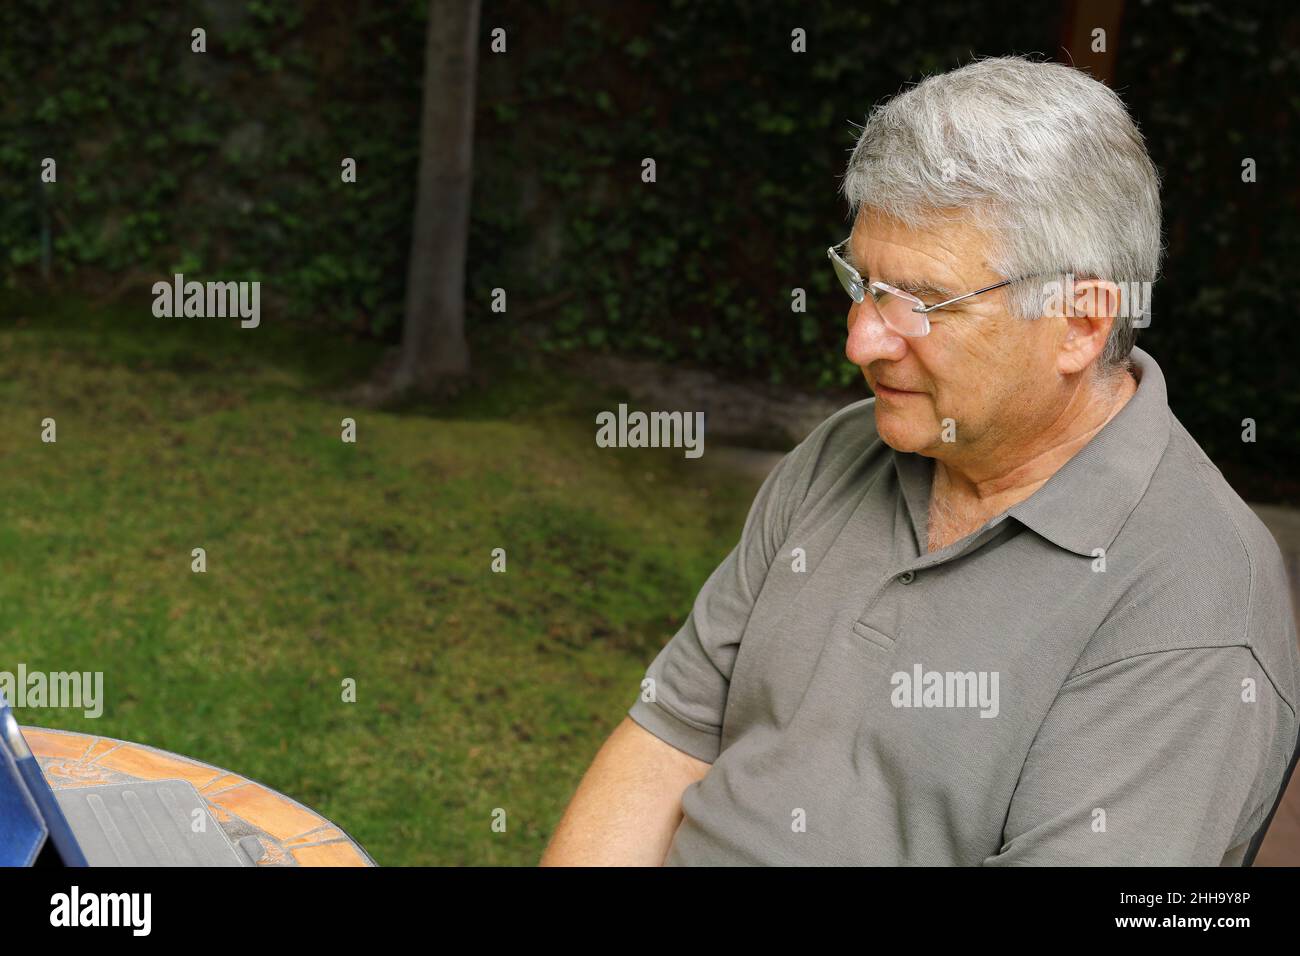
[(907, 577)]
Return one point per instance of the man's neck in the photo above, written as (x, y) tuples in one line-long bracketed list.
[(993, 486)]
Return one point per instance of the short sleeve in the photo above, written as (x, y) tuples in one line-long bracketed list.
[(692, 673), (1171, 758)]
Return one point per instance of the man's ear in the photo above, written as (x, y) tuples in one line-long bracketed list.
[(1091, 308)]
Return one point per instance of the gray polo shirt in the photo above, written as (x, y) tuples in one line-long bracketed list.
[(1106, 673)]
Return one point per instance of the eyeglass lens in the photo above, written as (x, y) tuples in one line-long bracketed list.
[(895, 309)]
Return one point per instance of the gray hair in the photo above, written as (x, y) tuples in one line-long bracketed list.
[(1042, 158)]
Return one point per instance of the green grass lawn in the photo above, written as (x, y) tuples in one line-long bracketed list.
[(328, 560)]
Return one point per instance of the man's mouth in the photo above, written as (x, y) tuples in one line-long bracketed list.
[(890, 392)]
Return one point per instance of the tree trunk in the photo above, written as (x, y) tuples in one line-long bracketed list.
[(433, 332), (1079, 19)]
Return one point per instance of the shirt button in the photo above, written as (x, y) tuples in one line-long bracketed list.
[(907, 577)]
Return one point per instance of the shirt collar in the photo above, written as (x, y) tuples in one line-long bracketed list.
[(1084, 505)]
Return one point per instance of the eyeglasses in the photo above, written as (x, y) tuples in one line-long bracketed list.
[(902, 311)]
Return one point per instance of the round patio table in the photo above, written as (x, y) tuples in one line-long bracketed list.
[(289, 833)]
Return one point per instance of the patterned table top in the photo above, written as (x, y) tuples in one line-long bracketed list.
[(290, 834)]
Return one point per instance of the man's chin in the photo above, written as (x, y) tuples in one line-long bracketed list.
[(902, 434)]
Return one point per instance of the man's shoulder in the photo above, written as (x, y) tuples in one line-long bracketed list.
[(1217, 534), (1203, 571)]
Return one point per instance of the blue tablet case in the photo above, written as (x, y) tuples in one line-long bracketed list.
[(30, 817)]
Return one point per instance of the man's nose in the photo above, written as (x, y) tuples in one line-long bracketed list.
[(870, 339)]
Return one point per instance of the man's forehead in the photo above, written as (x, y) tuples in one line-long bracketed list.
[(941, 253)]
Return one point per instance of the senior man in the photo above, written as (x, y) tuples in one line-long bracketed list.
[(1006, 611)]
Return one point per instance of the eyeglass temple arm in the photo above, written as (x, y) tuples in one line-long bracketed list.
[(987, 288)]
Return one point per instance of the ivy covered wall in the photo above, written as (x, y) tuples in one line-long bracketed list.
[(227, 164)]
